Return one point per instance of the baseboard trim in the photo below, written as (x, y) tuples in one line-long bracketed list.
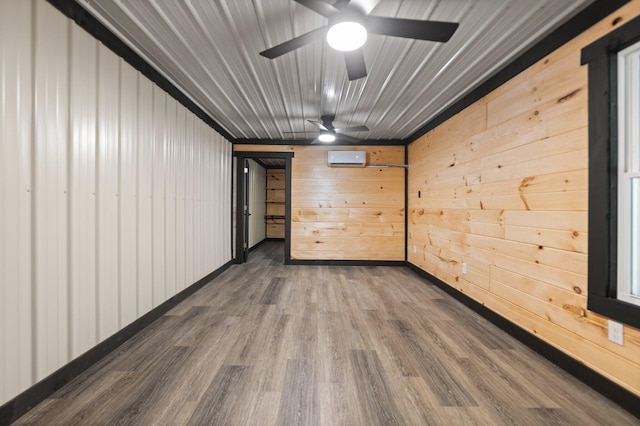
[(347, 262), (21, 404), (257, 245), (608, 388)]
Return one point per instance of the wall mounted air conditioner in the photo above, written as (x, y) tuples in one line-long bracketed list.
[(347, 159)]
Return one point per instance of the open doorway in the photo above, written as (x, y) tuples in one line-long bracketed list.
[(243, 200)]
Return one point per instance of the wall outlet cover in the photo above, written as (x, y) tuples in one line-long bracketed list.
[(616, 332)]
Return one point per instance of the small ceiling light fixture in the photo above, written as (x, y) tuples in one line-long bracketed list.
[(347, 36), (326, 137)]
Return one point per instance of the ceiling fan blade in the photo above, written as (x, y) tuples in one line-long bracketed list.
[(347, 138), (319, 125), (318, 6), (295, 43), (411, 28), (356, 68), (353, 129)]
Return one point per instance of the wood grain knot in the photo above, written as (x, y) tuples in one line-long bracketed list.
[(525, 182), (616, 21), (569, 96), (577, 289)]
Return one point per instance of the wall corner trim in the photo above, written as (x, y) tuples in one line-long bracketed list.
[(608, 388)]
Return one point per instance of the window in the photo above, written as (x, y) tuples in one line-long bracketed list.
[(614, 173), (629, 174)]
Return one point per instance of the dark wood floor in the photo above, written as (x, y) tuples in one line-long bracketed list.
[(267, 344)]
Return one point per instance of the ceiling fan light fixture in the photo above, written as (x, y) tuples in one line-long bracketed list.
[(347, 36), (326, 137)]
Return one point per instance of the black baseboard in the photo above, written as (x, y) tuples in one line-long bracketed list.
[(18, 406), (348, 262), (257, 245), (611, 390), (266, 240)]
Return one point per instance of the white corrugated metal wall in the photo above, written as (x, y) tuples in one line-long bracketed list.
[(257, 203), (114, 197)]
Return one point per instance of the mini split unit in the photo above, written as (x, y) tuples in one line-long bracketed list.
[(347, 159)]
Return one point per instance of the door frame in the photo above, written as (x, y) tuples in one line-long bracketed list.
[(246, 169), (241, 156)]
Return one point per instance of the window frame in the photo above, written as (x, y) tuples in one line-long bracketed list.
[(628, 137), (601, 57)]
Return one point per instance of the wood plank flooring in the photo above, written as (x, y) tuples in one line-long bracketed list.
[(268, 344)]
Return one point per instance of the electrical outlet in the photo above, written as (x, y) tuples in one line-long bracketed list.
[(414, 248), (464, 268), (616, 333)]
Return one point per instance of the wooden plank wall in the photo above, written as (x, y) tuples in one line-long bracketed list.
[(275, 203), (345, 213), (503, 187)]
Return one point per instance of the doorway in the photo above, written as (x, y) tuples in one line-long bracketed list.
[(242, 201)]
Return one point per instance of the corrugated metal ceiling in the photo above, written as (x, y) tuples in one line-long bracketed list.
[(210, 50)]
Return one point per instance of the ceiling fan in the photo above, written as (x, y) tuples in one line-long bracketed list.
[(347, 31), (329, 133)]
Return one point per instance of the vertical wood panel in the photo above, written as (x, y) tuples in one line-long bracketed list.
[(16, 194), (108, 153), (128, 187), (51, 141), (83, 190)]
